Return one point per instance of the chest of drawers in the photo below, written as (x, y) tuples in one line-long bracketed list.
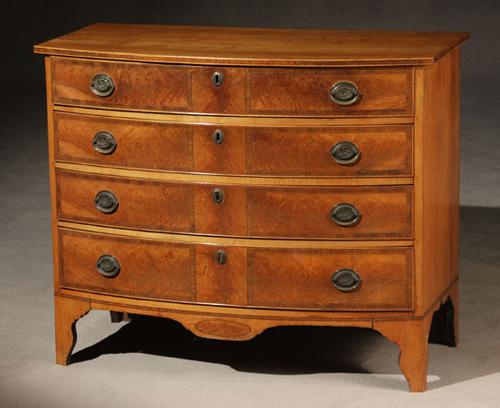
[(236, 180)]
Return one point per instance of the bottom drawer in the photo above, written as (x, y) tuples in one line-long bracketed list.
[(126, 266), (257, 276), (339, 279)]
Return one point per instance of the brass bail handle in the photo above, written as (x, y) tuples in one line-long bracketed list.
[(344, 93)]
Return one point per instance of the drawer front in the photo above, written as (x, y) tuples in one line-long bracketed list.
[(149, 87), (298, 278), (310, 92), (366, 279), (130, 267), (138, 86), (334, 151), (284, 212), (252, 91), (133, 203), (122, 143), (370, 212), (264, 151)]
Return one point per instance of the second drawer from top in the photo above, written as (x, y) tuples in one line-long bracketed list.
[(318, 151)]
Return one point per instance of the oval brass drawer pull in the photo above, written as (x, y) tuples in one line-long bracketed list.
[(346, 280), (108, 266), (345, 153), (345, 215), (102, 85), (104, 142), (344, 93), (106, 202)]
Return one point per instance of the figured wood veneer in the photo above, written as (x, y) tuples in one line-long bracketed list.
[(265, 255), (385, 150), (387, 91), (301, 278), (294, 92), (281, 212), (140, 144), (148, 269), (253, 46)]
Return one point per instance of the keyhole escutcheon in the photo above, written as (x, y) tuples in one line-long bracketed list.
[(217, 78)]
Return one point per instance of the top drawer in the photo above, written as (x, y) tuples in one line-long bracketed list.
[(236, 91)]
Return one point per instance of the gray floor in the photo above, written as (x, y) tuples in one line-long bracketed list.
[(155, 363)]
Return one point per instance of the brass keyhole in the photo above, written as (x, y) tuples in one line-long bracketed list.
[(218, 195), (218, 136), (217, 78), (221, 257)]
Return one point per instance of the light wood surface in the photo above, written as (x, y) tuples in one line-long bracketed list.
[(252, 46), (266, 254), (231, 180), (411, 336), (52, 171), (146, 145), (149, 269), (437, 179), (231, 241), (66, 312), (279, 212), (384, 150), (301, 279), (237, 120), (305, 92), (237, 323), (244, 91)]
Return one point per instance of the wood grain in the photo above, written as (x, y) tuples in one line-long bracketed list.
[(226, 98), (302, 279), (149, 269), (305, 92), (231, 241), (142, 204), (226, 218), (273, 316), (243, 323), (253, 46), (146, 145), (66, 313), (411, 336), (136, 84), (240, 120), (230, 179), (228, 157), (51, 142), (437, 179), (221, 284), (282, 278), (386, 212), (384, 150), (172, 88), (275, 168)]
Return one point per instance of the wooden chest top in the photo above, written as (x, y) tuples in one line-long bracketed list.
[(252, 46)]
